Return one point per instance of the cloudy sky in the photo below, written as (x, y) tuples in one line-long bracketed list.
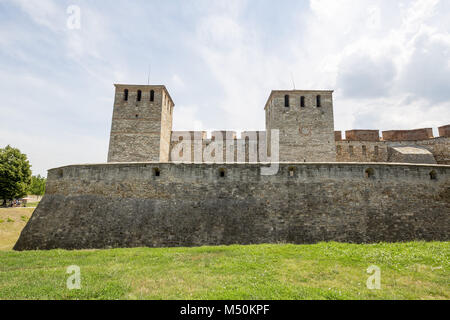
[(388, 62)]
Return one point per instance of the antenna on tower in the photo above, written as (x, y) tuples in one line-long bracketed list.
[(293, 83), (149, 70)]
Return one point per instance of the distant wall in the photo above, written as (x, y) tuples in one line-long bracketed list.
[(372, 151), (162, 204), (444, 131), (408, 135), (251, 147), (362, 135)]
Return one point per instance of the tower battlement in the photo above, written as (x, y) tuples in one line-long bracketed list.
[(141, 131)]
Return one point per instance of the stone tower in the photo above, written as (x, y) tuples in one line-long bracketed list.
[(141, 124), (305, 123)]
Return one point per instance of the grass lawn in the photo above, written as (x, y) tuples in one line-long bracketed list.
[(415, 270), (12, 221), (32, 204)]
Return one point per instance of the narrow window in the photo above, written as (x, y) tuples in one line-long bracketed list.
[(350, 150), (139, 95), (291, 172), (376, 150), (302, 102), (318, 102), (222, 173), (152, 95), (156, 172), (370, 173), (125, 95), (364, 150), (433, 175), (339, 150), (286, 100)]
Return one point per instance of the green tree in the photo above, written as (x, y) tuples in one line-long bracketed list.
[(37, 186), (15, 174)]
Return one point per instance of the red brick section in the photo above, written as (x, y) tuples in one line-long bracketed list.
[(408, 135), (337, 136), (444, 131), (362, 135)]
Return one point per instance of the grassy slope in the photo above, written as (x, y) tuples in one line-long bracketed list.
[(323, 271), (12, 221)]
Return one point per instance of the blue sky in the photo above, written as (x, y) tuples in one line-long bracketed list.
[(388, 62)]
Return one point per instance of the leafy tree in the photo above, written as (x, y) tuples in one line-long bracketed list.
[(37, 186), (15, 174)]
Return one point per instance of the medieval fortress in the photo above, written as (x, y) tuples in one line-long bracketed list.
[(303, 120), (298, 182)]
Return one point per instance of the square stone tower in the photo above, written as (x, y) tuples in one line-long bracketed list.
[(305, 122), (141, 124)]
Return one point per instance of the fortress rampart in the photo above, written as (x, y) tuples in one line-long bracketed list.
[(169, 188), (164, 204), (368, 146)]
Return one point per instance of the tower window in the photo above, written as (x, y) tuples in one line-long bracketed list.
[(156, 172), (350, 150), (318, 102), (222, 173), (364, 150), (433, 175), (370, 173), (302, 102), (152, 95), (139, 95), (339, 150), (286, 100), (125, 95), (291, 171)]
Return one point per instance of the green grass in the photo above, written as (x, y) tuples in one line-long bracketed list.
[(32, 204), (416, 270), (12, 221)]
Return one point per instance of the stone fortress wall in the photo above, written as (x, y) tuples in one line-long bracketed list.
[(166, 204), (148, 194), (410, 146)]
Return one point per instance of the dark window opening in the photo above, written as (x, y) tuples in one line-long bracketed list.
[(370, 173), (152, 95), (291, 172), (433, 175), (302, 102), (125, 95), (156, 172), (286, 100), (222, 173), (139, 95), (137, 116), (318, 102)]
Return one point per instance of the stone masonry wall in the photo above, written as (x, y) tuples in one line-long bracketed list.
[(130, 205), (251, 147), (140, 130), (306, 130), (370, 151)]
